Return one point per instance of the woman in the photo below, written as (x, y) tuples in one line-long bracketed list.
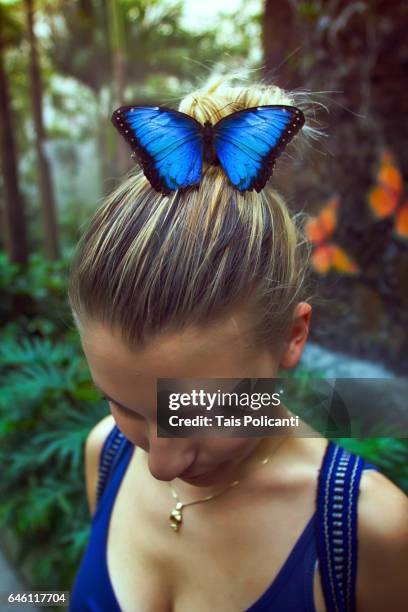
[(209, 282)]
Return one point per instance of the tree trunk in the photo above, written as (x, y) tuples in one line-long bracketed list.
[(119, 79), (279, 46), (46, 187), (14, 222)]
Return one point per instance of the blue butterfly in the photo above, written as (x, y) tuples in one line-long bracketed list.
[(171, 146)]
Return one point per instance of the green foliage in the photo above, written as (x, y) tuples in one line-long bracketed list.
[(42, 283), (310, 10), (389, 454), (47, 407), (11, 23)]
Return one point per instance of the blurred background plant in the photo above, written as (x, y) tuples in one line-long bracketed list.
[(64, 66), (47, 407)]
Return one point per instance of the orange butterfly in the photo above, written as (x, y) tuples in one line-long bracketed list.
[(327, 256), (385, 199)]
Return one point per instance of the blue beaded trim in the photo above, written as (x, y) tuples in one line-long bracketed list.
[(110, 454), (336, 526)]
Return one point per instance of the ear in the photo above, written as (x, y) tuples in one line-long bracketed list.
[(297, 336)]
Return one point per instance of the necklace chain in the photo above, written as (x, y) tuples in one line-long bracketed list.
[(176, 517)]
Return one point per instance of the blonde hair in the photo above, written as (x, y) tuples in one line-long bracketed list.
[(150, 263)]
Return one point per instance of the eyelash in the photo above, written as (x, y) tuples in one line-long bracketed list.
[(123, 410)]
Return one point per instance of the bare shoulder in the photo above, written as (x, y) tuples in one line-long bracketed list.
[(93, 447), (382, 545)]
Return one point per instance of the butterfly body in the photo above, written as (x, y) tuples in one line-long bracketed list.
[(209, 152), (171, 146)]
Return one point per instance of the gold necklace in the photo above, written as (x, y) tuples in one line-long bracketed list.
[(176, 516)]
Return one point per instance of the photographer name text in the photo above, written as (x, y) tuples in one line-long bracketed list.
[(221, 421)]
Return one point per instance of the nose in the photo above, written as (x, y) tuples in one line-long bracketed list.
[(168, 458)]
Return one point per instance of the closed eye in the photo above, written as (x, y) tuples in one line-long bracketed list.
[(122, 409)]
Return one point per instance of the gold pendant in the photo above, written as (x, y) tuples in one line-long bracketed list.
[(175, 517)]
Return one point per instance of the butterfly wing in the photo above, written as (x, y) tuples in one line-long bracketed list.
[(321, 228), (321, 259), (385, 196), (248, 142), (168, 144), (330, 256), (342, 262), (401, 221)]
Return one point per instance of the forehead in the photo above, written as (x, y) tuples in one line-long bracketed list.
[(196, 351)]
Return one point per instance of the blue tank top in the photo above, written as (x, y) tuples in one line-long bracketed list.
[(325, 539)]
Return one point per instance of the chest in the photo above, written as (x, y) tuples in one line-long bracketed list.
[(224, 557)]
